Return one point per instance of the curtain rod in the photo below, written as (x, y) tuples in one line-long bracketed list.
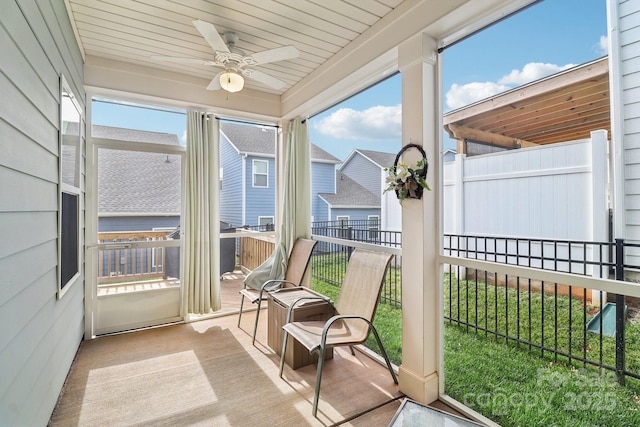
[(473, 33), (246, 122)]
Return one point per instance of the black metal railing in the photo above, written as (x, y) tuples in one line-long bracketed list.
[(329, 263), (558, 320), (359, 231), (569, 256)]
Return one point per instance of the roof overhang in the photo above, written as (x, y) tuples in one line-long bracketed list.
[(564, 107)]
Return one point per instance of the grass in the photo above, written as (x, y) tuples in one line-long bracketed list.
[(515, 388), (555, 322), (507, 382)]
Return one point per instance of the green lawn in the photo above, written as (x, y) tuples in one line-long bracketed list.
[(510, 384), (516, 388)]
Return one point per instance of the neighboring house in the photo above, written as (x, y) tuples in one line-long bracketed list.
[(351, 202), (449, 155), (248, 175), (366, 167), (42, 41), (137, 191)]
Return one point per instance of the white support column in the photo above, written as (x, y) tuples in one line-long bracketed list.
[(421, 311)]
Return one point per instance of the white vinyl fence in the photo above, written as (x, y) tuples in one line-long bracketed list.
[(557, 192)]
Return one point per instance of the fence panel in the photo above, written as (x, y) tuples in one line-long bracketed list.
[(542, 192)]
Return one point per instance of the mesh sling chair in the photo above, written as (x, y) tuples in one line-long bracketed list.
[(296, 269), (354, 313)]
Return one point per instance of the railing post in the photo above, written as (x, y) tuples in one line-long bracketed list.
[(620, 318)]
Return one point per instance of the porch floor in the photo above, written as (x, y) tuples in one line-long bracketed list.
[(208, 373)]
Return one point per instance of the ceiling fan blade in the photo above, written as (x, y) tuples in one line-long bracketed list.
[(215, 83), (182, 60), (277, 54), (264, 78), (211, 35)]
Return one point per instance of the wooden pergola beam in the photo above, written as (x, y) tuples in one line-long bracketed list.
[(462, 133)]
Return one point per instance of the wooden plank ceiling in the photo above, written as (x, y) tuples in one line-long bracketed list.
[(132, 31), (563, 107)]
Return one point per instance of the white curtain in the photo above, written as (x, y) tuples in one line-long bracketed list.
[(296, 205), (202, 215)]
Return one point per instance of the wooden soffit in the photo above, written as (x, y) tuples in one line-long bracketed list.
[(564, 107)]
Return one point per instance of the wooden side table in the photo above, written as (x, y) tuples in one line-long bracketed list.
[(278, 303)]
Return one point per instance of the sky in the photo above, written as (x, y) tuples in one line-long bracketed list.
[(544, 39)]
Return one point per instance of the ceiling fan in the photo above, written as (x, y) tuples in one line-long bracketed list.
[(234, 61)]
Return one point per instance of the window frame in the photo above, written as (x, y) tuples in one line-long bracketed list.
[(340, 218), (69, 106), (255, 174), (267, 228), (373, 232)]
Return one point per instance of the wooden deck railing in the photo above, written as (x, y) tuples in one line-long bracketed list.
[(131, 264), (255, 250), (135, 264)]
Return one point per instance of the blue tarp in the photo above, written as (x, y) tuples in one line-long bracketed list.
[(608, 314)]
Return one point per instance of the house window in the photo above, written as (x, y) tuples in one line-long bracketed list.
[(343, 221), (70, 150), (343, 227), (261, 173), (374, 227), (266, 223)]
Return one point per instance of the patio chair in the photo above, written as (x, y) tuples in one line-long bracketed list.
[(296, 268), (354, 313)]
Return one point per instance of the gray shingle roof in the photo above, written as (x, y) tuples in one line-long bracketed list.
[(320, 155), (134, 135), (133, 182), (350, 194), (252, 139)]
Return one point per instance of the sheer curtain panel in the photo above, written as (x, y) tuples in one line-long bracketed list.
[(296, 206), (202, 215)]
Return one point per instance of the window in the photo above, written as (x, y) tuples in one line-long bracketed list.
[(374, 227), (343, 227), (260, 173), (265, 223), (70, 150)]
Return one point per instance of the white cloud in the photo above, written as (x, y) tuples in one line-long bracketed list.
[(460, 95), (530, 72), (603, 46), (375, 123)]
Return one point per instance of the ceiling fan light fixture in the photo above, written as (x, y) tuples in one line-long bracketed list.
[(231, 81)]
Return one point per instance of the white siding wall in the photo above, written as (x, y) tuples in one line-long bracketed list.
[(626, 62), (40, 334)]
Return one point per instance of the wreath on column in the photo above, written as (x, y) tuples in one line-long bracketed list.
[(408, 182)]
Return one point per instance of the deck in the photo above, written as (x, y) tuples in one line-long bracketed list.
[(207, 373)]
